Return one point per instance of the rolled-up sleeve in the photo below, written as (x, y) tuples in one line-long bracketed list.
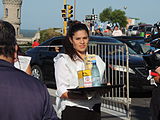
[(62, 76)]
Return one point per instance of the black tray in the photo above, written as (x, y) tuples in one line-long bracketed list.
[(97, 88)]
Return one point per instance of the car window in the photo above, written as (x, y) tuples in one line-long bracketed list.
[(56, 45), (130, 27), (135, 28), (110, 49), (139, 46)]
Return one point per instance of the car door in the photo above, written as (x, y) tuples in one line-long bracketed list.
[(48, 56)]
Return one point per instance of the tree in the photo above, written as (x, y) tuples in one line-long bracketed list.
[(106, 15), (49, 33), (118, 17), (114, 17)]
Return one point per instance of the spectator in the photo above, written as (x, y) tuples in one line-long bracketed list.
[(154, 104), (116, 31), (98, 32), (35, 43), (108, 31), (23, 97), (72, 106)]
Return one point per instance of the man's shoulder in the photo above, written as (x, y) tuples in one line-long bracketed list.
[(28, 78)]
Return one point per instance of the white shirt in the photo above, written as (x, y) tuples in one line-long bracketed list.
[(117, 33), (66, 77)]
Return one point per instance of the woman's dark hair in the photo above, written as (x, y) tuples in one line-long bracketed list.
[(68, 46), (7, 39)]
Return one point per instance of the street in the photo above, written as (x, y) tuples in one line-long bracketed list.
[(139, 108)]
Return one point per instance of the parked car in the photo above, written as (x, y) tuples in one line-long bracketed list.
[(134, 31), (128, 33), (142, 29), (148, 31), (43, 66), (136, 43)]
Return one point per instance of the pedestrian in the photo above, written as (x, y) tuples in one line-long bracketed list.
[(72, 106), (154, 104), (108, 31), (35, 43), (98, 32), (117, 31), (22, 97)]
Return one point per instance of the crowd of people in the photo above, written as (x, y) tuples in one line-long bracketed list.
[(109, 32), (23, 97)]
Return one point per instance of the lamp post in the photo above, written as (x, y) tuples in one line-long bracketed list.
[(74, 9)]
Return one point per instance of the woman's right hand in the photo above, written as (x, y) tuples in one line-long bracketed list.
[(71, 95)]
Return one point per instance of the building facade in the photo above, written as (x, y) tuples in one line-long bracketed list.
[(12, 13)]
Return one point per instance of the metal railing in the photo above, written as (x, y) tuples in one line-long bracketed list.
[(116, 57)]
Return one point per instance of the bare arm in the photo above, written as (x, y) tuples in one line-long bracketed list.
[(70, 95), (28, 70)]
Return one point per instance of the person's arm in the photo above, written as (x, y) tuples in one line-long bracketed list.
[(28, 70), (63, 77), (71, 95)]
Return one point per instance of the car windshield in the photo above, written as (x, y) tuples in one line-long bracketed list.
[(148, 29), (135, 28), (139, 46), (111, 48), (130, 27)]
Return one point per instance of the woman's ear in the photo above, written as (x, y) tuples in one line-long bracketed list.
[(70, 39)]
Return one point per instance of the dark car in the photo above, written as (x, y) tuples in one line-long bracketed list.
[(136, 43), (43, 65), (143, 26)]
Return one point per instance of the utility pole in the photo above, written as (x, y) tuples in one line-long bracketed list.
[(66, 15), (93, 22), (65, 20)]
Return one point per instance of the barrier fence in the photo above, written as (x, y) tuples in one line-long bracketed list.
[(116, 57)]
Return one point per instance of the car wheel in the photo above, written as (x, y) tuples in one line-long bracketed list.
[(37, 72)]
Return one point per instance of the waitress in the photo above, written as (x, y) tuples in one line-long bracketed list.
[(71, 106)]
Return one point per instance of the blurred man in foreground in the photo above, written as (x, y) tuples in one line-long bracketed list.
[(22, 97)]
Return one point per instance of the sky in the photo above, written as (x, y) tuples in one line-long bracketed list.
[(46, 14)]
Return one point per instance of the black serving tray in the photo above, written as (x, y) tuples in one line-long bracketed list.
[(97, 88)]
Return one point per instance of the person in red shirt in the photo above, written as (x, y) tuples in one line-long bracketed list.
[(35, 43)]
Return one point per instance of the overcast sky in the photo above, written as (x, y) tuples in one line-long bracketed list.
[(46, 14)]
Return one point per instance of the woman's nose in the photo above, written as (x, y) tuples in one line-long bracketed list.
[(82, 41)]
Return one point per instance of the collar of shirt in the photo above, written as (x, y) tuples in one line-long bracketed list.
[(6, 64), (77, 58)]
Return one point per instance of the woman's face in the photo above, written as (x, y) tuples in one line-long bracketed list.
[(80, 41)]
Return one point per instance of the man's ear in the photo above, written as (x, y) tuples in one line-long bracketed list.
[(16, 53)]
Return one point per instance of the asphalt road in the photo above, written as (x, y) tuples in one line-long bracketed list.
[(139, 108)]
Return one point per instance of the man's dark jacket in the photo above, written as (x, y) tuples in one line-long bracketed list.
[(23, 97)]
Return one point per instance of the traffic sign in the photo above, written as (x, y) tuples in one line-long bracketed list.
[(91, 17)]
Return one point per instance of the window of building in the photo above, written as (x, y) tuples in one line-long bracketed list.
[(17, 31), (18, 13), (6, 12)]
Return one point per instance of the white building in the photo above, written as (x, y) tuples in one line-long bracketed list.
[(12, 14)]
